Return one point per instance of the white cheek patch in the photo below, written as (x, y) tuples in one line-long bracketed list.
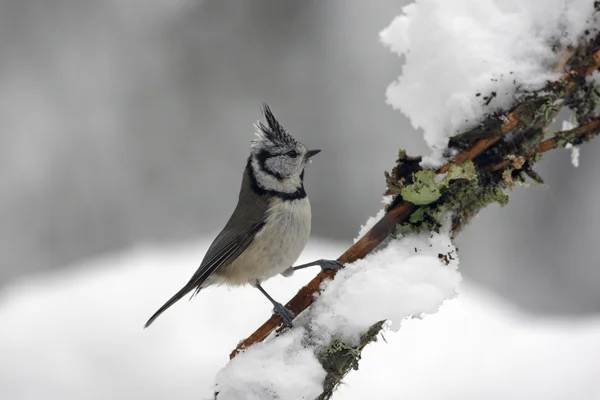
[(269, 182)]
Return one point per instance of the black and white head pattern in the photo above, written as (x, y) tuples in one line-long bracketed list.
[(277, 160)]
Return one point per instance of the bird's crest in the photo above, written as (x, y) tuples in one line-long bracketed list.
[(272, 134)]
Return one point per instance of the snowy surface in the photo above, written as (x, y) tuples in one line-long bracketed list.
[(574, 154), (478, 347), (77, 334), (405, 278), (280, 369), (466, 58), (566, 126)]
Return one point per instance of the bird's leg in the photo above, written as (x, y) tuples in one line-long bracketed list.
[(324, 264), (285, 314)]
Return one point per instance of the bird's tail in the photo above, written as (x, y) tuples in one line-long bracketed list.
[(185, 290)]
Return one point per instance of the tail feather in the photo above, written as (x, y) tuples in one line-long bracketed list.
[(185, 290)]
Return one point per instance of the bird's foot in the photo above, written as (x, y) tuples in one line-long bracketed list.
[(325, 265), (286, 315), (332, 265)]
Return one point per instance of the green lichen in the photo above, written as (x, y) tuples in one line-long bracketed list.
[(417, 216), (338, 358), (426, 190), (425, 218), (539, 109), (466, 200), (459, 192), (560, 142), (595, 97), (337, 353), (548, 111), (464, 171)]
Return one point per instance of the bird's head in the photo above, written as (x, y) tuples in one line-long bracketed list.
[(276, 158)]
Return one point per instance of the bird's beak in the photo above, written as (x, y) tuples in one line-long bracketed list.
[(311, 153)]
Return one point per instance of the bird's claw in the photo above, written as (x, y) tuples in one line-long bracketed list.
[(331, 265), (286, 315)]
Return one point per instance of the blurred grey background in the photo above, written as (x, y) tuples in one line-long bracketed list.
[(127, 122)]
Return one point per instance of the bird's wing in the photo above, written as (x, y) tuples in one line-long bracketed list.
[(246, 221), (227, 247)]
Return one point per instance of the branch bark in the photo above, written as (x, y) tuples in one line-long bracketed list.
[(580, 135), (499, 166)]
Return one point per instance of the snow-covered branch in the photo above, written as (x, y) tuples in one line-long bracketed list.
[(503, 116)]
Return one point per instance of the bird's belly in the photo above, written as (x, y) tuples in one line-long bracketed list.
[(276, 246)]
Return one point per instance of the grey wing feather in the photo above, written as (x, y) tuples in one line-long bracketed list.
[(227, 247), (243, 225)]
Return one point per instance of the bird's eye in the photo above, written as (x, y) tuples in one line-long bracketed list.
[(292, 154)]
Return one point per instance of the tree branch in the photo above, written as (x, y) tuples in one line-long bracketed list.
[(580, 135), (482, 145)]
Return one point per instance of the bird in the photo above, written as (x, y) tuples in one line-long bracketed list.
[(270, 225)]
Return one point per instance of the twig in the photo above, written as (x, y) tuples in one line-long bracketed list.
[(579, 135)]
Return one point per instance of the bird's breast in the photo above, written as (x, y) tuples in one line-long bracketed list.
[(288, 225), (276, 246)]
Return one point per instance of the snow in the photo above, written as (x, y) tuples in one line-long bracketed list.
[(467, 58), (77, 334), (281, 369), (574, 154), (405, 278), (478, 347), (567, 126)]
